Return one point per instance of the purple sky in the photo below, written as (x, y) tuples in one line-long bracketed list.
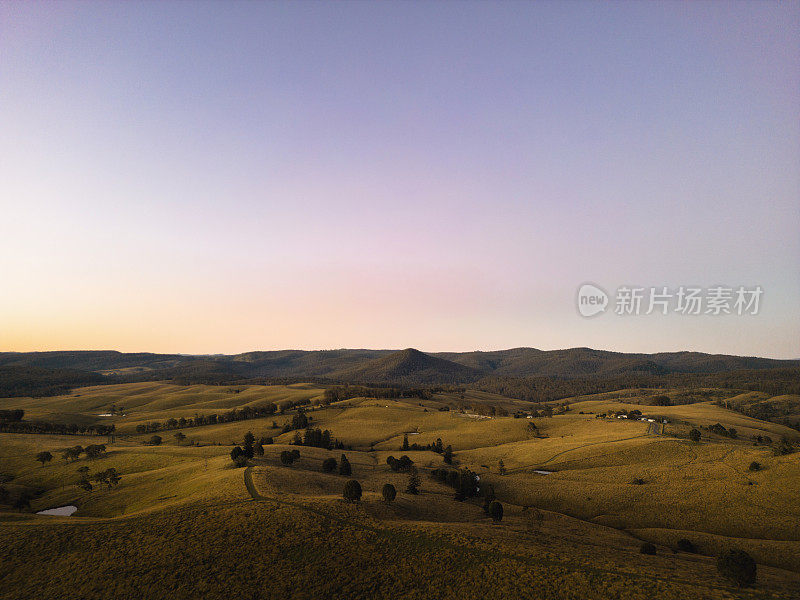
[(225, 177)]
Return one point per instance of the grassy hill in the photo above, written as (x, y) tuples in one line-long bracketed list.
[(184, 523)]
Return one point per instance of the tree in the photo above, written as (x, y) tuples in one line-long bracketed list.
[(448, 455), (329, 465), (405, 442), (95, 451), (738, 567), (502, 467), (110, 477), (249, 440), (44, 457), (236, 453), (437, 446), (647, 548), (662, 401), (179, 436), (259, 449), (155, 440), (685, 545), (267, 441), (85, 484), (352, 491), (299, 419), (389, 493), (695, 435), (344, 467), (287, 458), (84, 471), (413, 482), (73, 453), (496, 511)]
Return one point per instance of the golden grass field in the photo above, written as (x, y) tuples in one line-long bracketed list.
[(184, 523)]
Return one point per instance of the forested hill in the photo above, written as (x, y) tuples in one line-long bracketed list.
[(402, 367)]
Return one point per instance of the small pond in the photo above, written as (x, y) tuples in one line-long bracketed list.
[(61, 511), (541, 472)]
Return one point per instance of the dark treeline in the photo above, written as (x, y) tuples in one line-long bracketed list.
[(37, 382), (346, 392), (317, 438), (12, 415), (438, 447), (299, 419), (545, 389), (45, 427), (237, 414)]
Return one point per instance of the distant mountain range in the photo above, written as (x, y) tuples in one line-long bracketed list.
[(401, 367)]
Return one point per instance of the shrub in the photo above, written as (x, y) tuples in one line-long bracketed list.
[(389, 493), (287, 458), (755, 466), (638, 481), (738, 567), (647, 548), (329, 465), (155, 440), (44, 457), (685, 545), (496, 511), (352, 491), (240, 461), (694, 435)]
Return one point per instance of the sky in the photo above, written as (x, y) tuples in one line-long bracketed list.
[(232, 176)]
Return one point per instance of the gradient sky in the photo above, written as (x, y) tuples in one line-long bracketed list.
[(224, 177)]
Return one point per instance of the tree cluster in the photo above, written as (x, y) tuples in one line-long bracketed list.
[(73, 453), (463, 481), (402, 464)]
